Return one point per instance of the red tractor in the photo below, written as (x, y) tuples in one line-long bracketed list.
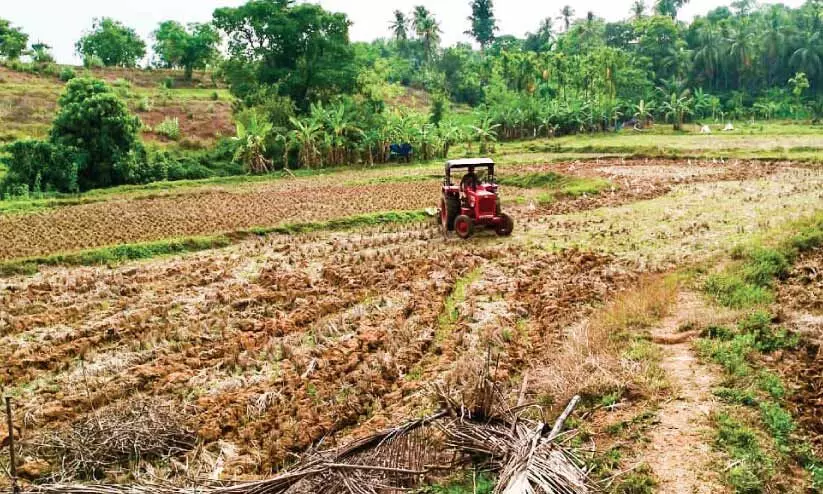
[(475, 202)]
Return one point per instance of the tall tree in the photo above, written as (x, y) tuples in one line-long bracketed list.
[(669, 7), (808, 57), (299, 50), (427, 29), (13, 40), (566, 14), (113, 43), (483, 22), (399, 26), (709, 54), (638, 9), (543, 38), (192, 48)]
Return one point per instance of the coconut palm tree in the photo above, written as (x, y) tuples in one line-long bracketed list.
[(566, 14), (638, 9), (808, 57), (427, 29), (709, 56), (399, 26), (741, 50), (773, 39)]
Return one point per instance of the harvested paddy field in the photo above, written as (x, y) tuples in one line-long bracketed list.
[(279, 343), (212, 210)]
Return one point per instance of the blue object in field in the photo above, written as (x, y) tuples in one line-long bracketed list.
[(401, 150)]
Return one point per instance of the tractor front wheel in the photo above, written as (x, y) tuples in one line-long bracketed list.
[(449, 209), (506, 225), (463, 226)]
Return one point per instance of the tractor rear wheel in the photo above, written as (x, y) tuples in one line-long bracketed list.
[(506, 225), (463, 226), (449, 209)]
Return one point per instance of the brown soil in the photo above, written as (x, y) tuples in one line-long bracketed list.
[(281, 342), (801, 299), (679, 453)]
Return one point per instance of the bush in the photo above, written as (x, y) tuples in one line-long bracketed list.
[(808, 239), (777, 420), (145, 104), (93, 62), (764, 266), (92, 118), (732, 291), (122, 83), (67, 74), (170, 127), (39, 165)]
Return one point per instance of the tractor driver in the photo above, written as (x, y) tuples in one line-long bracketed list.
[(469, 180)]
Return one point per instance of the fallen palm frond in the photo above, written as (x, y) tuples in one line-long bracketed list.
[(479, 431)]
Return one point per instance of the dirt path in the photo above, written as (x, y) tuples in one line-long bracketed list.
[(679, 451)]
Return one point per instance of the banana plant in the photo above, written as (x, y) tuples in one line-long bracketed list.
[(251, 137), (677, 108), (305, 137), (644, 112), (486, 134)]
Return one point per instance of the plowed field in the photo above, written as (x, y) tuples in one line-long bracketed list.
[(277, 343)]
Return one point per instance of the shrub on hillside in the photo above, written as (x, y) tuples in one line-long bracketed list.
[(93, 119), (170, 127), (67, 74), (41, 166)]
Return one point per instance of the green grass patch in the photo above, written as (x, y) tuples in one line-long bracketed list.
[(749, 281), (734, 349), (482, 483), (532, 180), (778, 421), (752, 467), (639, 481), (556, 183), (113, 255), (450, 314)]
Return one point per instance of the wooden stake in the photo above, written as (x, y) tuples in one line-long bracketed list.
[(13, 467)]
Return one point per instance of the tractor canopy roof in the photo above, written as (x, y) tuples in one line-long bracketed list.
[(469, 163)]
